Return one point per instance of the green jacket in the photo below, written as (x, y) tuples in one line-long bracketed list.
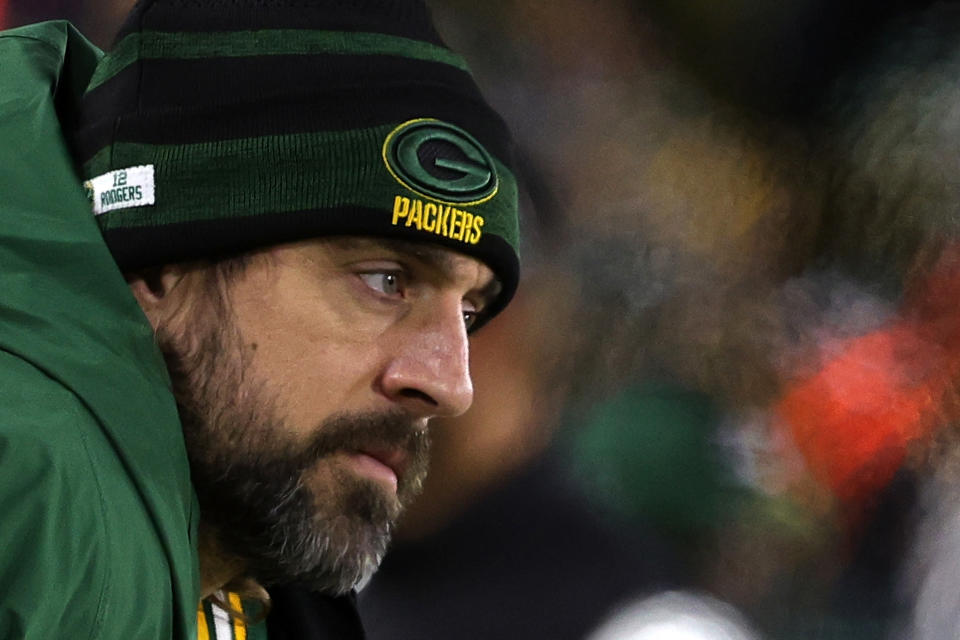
[(97, 514)]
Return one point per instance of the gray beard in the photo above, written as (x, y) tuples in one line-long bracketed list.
[(251, 475)]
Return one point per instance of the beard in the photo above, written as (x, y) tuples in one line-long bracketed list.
[(285, 506)]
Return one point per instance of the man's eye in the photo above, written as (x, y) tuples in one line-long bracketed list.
[(387, 283), (470, 318)]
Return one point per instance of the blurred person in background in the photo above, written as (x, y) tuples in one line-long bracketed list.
[(875, 413)]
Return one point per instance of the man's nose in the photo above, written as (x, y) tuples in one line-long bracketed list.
[(429, 369)]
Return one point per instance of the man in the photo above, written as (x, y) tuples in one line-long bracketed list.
[(310, 206)]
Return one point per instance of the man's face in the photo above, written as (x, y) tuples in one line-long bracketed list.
[(305, 378)]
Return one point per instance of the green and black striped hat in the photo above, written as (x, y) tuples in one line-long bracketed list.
[(217, 126)]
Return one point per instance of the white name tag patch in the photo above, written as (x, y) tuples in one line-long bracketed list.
[(122, 189)]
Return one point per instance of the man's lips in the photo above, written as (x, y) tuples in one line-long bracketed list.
[(383, 464)]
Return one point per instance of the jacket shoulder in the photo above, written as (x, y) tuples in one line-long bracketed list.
[(76, 542), (44, 59), (50, 33)]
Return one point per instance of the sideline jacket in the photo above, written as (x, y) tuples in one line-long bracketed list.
[(97, 514)]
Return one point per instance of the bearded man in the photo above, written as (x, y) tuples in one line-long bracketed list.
[(311, 206)]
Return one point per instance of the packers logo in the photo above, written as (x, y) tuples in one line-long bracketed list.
[(441, 161)]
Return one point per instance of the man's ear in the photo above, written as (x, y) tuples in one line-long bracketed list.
[(154, 288)]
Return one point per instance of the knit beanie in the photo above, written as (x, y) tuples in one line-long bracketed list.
[(219, 126)]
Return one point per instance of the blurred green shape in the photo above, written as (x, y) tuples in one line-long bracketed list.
[(650, 454)]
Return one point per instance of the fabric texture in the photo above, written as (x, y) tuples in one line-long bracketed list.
[(98, 515), (217, 127)]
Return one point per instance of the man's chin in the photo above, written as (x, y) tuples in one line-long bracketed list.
[(340, 567), (340, 544)]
